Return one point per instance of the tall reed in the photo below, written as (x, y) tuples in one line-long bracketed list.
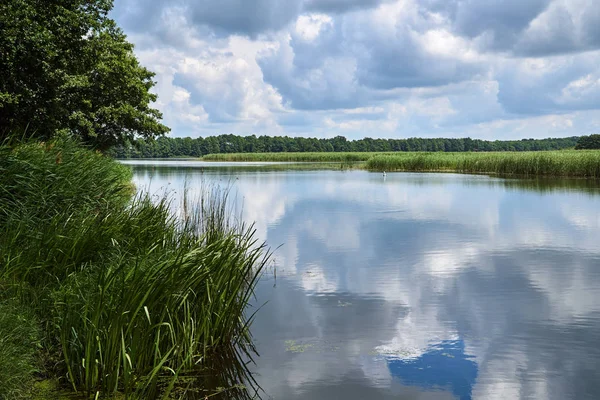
[(131, 299), (540, 163), (544, 163), (19, 338), (293, 157)]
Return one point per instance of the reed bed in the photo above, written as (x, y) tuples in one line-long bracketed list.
[(129, 299), (565, 163), (294, 157), (543, 163), (19, 337)]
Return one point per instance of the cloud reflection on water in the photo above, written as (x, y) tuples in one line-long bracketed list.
[(374, 275)]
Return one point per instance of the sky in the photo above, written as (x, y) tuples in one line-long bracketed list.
[(488, 69)]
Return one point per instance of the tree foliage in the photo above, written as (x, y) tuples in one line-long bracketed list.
[(588, 142), (65, 66), (166, 147)]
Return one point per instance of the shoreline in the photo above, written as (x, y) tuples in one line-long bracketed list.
[(564, 163)]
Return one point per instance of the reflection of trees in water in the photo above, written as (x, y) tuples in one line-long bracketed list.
[(549, 185), (168, 171), (148, 172), (538, 185)]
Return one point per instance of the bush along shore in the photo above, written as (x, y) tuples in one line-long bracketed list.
[(564, 163), (108, 293)]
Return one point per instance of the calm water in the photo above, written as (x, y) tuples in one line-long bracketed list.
[(417, 286)]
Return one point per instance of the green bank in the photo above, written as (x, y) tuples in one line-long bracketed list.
[(295, 157), (107, 293), (564, 163)]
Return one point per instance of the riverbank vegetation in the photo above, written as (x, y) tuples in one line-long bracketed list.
[(566, 163), (107, 292), (293, 157), (19, 340), (103, 292), (165, 147), (551, 163)]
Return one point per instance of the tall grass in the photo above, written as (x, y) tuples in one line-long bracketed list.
[(540, 163), (130, 299), (546, 163), (293, 157), (19, 338)]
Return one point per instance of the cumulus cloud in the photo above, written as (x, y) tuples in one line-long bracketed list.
[(564, 27), (549, 85), (342, 63), (211, 81), (223, 16), (496, 23), (234, 16), (431, 67), (523, 28), (339, 6), (331, 83)]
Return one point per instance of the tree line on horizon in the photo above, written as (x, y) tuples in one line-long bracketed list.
[(167, 147), (591, 142)]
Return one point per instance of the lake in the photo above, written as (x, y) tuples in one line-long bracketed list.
[(415, 286)]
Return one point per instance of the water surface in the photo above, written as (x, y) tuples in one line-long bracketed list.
[(417, 286)]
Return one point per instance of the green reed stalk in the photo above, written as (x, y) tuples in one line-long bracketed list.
[(567, 163), (543, 163), (293, 157), (130, 299)]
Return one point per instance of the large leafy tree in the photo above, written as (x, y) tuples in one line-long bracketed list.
[(65, 66), (588, 142)]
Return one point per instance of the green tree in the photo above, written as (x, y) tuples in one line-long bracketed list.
[(588, 142), (66, 67)]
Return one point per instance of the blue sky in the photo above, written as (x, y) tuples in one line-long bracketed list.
[(489, 69)]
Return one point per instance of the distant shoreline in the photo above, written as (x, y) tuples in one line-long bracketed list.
[(564, 163)]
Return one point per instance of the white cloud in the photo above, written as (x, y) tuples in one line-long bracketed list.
[(493, 70), (309, 26)]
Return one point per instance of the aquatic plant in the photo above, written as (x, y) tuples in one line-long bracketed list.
[(19, 337), (293, 157), (130, 298), (544, 163), (567, 163)]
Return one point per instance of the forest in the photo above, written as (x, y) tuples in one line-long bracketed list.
[(167, 147)]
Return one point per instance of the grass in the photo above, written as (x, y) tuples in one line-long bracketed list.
[(565, 163), (544, 163), (293, 157), (19, 340), (127, 298)]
